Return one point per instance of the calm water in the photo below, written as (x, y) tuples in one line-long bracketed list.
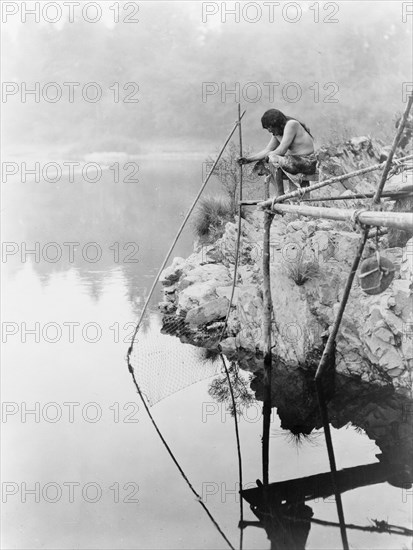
[(100, 475)]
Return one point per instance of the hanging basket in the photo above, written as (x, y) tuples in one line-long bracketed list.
[(376, 274)]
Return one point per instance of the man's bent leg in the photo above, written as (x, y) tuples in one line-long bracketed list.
[(277, 162), (279, 182)]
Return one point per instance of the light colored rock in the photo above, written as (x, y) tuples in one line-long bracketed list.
[(226, 291), (296, 225), (402, 296), (390, 359), (170, 289), (328, 290), (324, 225), (171, 274), (247, 275), (195, 295), (166, 307), (394, 322), (279, 227), (319, 243), (248, 339), (207, 273), (215, 326), (228, 346), (407, 345), (210, 311), (345, 246), (311, 228), (385, 335), (395, 372), (212, 254), (395, 255), (406, 265)]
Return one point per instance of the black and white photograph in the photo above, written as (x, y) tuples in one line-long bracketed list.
[(206, 275)]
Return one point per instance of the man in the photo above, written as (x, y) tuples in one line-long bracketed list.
[(291, 147)]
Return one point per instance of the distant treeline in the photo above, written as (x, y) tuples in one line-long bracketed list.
[(171, 81)]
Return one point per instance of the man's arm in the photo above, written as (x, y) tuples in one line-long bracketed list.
[(290, 131), (272, 145)]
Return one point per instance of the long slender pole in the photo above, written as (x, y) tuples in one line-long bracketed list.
[(267, 314), (391, 195), (397, 220), (332, 461), (234, 282), (394, 195), (389, 160), (241, 502), (240, 154), (329, 348), (130, 349), (231, 390)]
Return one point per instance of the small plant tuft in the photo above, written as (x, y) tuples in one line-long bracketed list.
[(297, 436), (211, 216), (301, 270)]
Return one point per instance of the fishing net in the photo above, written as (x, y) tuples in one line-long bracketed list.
[(162, 359), (162, 364)]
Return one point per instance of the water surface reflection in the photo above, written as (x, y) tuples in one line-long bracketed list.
[(110, 293), (385, 418)]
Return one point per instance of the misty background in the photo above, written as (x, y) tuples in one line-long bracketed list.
[(350, 75)]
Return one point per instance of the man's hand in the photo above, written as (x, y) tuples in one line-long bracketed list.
[(273, 157), (243, 160)]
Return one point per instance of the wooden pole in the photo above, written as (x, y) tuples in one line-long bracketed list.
[(329, 348), (239, 229), (396, 195), (145, 306), (266, 325), (240, 154), (332, 461), (241, 504), (389, 160), (331, 181), (397, 220), (231, 390)]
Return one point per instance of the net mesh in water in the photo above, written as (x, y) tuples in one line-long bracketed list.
[(163, 365)]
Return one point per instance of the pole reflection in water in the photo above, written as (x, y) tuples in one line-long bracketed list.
[(283, 508)]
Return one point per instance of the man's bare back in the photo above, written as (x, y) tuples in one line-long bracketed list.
[(295, 139)]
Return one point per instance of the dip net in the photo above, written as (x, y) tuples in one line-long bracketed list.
[(159, 359), (162, 364)]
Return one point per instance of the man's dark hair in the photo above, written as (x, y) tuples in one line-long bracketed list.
[(277, 120)]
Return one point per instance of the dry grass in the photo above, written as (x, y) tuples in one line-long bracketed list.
[(301, 270), (211, 216)]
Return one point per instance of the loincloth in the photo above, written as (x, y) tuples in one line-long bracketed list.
[(300, 164)]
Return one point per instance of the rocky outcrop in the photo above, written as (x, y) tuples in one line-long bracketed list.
[(310, 262), (309, 266), (356, 153)]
